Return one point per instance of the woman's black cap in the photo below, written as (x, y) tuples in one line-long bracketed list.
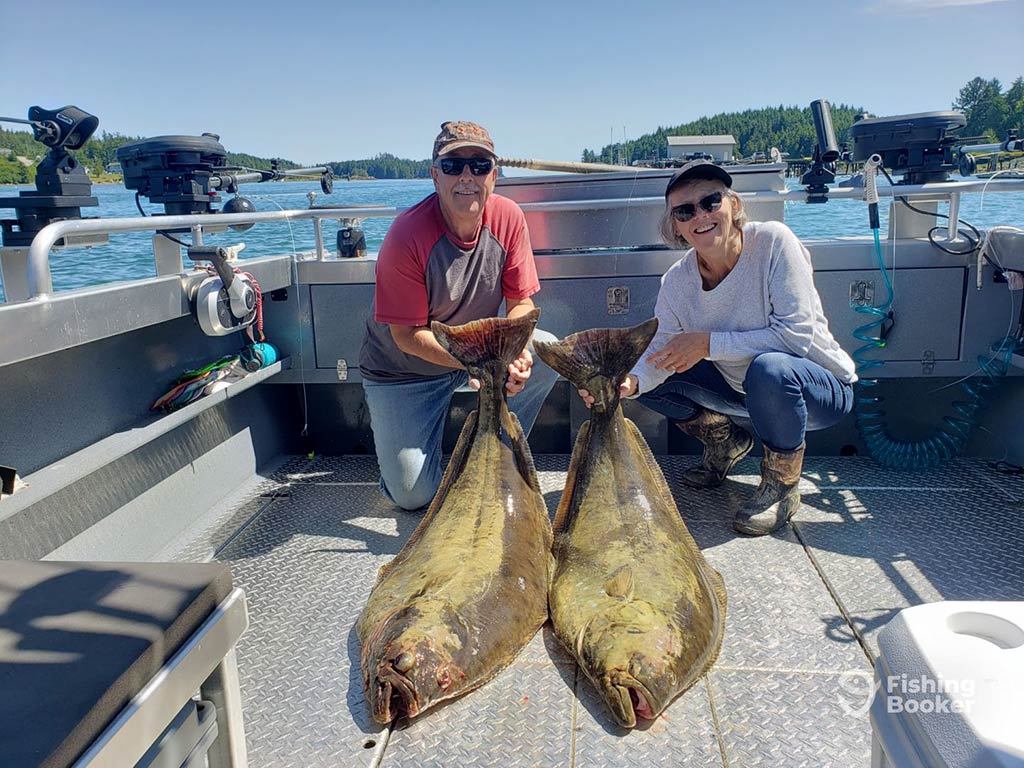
[(698, 169)]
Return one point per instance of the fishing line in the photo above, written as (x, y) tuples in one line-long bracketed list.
[(981, 199), (298, 298), (999, 464), (629, 199)]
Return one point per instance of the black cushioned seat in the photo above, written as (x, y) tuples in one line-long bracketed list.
[(79, 640)]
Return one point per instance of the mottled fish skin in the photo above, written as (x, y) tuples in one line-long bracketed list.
[(632, 597), (469, 589)]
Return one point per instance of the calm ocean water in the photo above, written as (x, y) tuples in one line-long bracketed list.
[(129, 256)]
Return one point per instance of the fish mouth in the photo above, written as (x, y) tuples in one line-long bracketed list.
[(392, 694), (641, 705), (630, 699)]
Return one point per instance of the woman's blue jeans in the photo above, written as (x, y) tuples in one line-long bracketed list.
[(786, 396), (408, 419)]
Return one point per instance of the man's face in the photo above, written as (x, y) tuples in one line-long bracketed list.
[(463, 195)]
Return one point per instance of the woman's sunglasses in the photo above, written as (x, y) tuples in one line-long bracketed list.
[(478, 166), (687, 211)]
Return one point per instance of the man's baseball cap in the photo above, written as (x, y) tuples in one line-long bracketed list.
[(456, 134), (698, 169)]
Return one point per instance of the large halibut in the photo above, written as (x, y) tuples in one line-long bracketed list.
[(469, 589), (632, 598)]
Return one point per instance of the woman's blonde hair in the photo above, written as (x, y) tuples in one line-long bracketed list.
[(674, 240)]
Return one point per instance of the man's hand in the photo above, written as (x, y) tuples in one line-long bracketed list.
[(518, 373), (626, 389), (682, 352)]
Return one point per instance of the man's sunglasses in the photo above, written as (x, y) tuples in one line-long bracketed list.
[(478, 166), (687, 211)]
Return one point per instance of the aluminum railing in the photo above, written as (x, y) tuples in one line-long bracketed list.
[(40, 282)]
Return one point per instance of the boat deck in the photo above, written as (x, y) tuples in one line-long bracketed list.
[(790, 685)]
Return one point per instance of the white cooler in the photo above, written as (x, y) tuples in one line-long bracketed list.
[(950, 687)]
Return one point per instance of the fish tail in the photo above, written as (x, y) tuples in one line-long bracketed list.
[(493, 342), (598, 359)]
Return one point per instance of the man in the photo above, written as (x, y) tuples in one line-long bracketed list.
[(452, 257)]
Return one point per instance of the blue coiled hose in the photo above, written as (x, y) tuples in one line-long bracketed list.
[(951, 435)]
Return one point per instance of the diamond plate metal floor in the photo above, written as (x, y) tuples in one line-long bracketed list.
[(805, 607)]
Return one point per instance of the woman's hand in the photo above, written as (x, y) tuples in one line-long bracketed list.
[(626, 389), (518, 373), (682, 352)]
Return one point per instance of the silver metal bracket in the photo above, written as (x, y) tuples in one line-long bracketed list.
[(14, 274), (928, 361), (618, 300), (862, 293)]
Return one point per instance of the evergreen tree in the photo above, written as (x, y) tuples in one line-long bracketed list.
[(1015, 106), (985, 107)]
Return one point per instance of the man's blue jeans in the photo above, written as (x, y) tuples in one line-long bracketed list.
[(408, 418), (786, 396)]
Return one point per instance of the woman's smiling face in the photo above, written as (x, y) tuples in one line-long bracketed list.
[(706, 230)]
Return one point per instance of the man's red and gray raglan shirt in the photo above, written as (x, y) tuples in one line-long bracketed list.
[(425, 273)]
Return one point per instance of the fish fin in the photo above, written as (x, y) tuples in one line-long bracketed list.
[(569, 494), (652, 464), (705, 671), (455, 464), (492, 339), (718, 583), (714, 578), (718, 592), (662, 484), (605, 353), (621, 584), (520, 449), (499, 666)]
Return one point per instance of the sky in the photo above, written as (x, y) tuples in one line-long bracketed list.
[(315, 81)]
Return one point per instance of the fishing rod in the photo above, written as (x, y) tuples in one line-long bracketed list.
[(565, 166)]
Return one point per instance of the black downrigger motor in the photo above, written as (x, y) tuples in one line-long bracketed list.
[(918, 147), (183, 173), (175, 171)]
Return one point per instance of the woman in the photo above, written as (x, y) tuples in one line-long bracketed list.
[(741, 333)]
